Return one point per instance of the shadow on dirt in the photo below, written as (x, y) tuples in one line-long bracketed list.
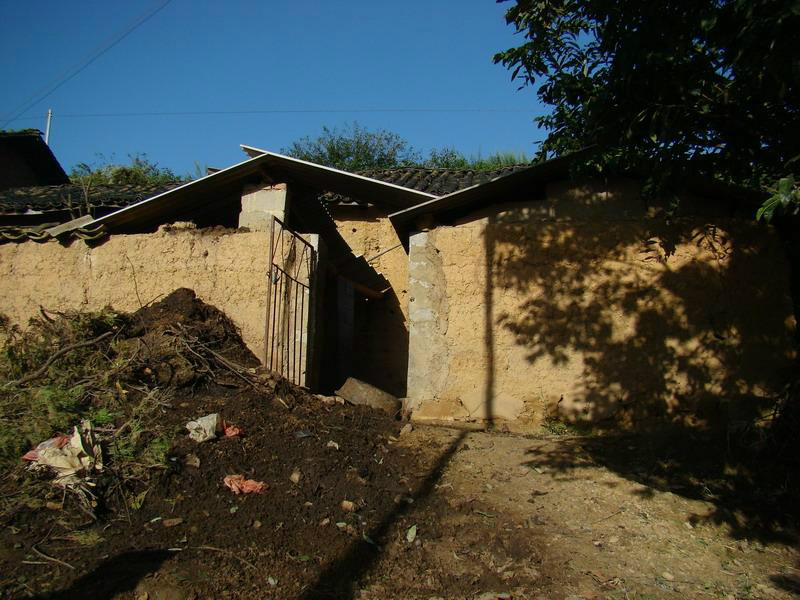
[(113, 576), (756, 501), (679, 327), (340, 579)]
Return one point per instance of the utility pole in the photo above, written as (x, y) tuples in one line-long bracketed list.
[(47, 129)]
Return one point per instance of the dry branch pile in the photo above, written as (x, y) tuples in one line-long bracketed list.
[(120, 372)]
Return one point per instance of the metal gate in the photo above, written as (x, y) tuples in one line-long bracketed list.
[(292, 265)]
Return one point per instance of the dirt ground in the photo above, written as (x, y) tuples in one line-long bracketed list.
[(358, 504), (494, 516)]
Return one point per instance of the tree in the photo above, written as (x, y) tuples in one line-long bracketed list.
[(140, 171), (450, 158), (354, 149), (708, 86), (675, 88)]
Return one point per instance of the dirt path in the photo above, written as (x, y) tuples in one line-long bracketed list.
[(541, 518)]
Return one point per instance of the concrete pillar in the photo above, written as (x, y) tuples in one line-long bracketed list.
[(260, 203), (428, 360)]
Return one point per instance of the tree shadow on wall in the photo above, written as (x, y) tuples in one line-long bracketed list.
[(654, 322), (680, 328)]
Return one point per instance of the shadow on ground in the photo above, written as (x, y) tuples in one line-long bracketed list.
[(113, 576), (756, 500), (340, 579)]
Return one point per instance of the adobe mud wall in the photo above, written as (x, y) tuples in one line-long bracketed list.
[(587, 307), (380, 353), (225, 269)]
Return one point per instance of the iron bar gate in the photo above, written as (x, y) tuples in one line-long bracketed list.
[(292, 262)]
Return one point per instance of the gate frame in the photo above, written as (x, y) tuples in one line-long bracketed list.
[(296, 373)]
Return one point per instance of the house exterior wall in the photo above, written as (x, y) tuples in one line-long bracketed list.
[(380, 352), (588, 306), (226, 269)]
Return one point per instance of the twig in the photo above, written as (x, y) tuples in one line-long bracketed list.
[(135, 285), (229, 553), (621, 510), (43, 369), (50, 558)]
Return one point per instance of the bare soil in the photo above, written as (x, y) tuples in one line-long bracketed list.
[(356, 509), (504, 514)]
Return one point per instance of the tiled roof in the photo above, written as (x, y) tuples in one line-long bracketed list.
[(71, 197), (432, 181)]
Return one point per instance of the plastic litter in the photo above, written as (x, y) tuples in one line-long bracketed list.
[(232, 430), (205, 428), (58, 441), (72, 460), (239, 485)]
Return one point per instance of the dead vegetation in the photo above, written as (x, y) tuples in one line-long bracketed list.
[(117, 371)]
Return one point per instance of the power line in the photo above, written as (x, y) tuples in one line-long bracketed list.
[(69, 74), (281, 111)]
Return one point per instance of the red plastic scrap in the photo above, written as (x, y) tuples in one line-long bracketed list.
[(56, 442), (239, 485), (232, 430)]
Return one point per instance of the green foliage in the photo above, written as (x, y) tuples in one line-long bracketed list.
[(36, 416), (140, 171), (450, 158), (784, 198), (708, 86), (355, 148)]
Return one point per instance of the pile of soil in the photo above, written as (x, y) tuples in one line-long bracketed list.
[(333, 475)]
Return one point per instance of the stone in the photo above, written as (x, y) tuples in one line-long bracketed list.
[(359, 392), (407, 428), (172, 522)]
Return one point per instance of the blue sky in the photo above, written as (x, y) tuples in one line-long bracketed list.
[(269, 55)]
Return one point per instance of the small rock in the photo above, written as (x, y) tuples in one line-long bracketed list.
[(688, 525), (53, 505), (668, 576), (348, 506), (613, 539), (172, 522), (256, 524), (332, 444), (360, 392), (308, 504), (324, 522), (296, 476), (407, 428)]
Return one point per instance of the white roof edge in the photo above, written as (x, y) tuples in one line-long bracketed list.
[(258, 152), (257, 155)]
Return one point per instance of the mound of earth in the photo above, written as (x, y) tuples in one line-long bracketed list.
[(331, 470)]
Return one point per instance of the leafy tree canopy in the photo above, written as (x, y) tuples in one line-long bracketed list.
[(450, 158), (705, 85), (355, 148), (140, 171)]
